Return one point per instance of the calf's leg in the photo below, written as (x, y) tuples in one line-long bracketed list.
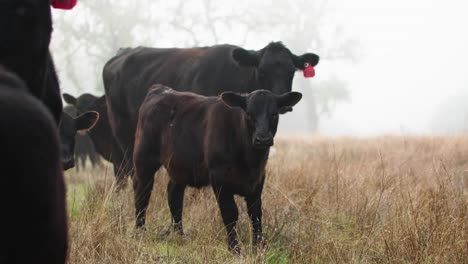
[(230, 214), (175, 198), (254, 209), (142, 186)]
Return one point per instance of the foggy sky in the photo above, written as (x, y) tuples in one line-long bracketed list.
[(412, 59)]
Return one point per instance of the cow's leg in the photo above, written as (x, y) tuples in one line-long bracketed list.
[(142, 186), (122, 169), (120, 177), (229, 213), (146, 164), (83, 162), (123, 130), (254, 209), (175, 197)]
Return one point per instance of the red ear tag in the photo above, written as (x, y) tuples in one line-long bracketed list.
[(63, 4), (309, 71)]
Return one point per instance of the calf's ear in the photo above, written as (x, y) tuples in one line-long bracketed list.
[(234, 100), (247, 58), (300, 61), (86, 121), (69, 99), (287, 101)]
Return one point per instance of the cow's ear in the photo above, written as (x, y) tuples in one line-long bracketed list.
[(287, 101), (247, 58), (234, 100), (86, 121), (69, 99), (300, 61)]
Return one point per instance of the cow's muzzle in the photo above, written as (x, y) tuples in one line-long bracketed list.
[(68, 164), (262, 142)]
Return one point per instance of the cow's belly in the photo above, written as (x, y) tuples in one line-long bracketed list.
[(188, 170)]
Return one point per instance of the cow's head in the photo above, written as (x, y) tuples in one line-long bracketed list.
[(68, 127), (275, 65), (83, 103), (26, 27), (261, 110)]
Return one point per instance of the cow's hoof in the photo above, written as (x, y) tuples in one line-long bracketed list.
[(171, 230), (260, 242), (234, 247), (140, 227)]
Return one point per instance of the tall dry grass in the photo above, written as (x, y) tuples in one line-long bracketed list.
[(342, 200)]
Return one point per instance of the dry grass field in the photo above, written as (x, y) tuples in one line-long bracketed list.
[(326, 200)]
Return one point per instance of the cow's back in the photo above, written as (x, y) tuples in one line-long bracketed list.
[(204, 70), (178, 122)]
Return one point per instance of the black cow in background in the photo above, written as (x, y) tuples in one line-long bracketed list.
[(84, 147), (202, 70), (219, 141), (69, 126), (101, 134), (32, 195)]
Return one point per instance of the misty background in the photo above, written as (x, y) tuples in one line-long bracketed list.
[(387, 67)]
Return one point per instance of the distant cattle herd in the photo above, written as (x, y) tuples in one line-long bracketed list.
[(207, 114)]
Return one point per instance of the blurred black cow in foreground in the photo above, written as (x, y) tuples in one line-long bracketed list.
[(26, 28), (33, 192), (101, 134), (32, 195), (219, 141), (202, 70), (84, 147)]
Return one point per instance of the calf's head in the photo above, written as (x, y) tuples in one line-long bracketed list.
[(275, 65), (261, 110), (68, 127), (83, 103)]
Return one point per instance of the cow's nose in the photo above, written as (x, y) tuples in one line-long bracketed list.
[(68, 164), (263, 141)]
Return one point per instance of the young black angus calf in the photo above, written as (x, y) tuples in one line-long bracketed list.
[(32, 195), (220, 141)]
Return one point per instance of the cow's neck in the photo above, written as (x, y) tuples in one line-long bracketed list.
[(253, 83)]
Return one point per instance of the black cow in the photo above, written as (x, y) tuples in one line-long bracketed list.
[(84, 147), (204, 70), (32, 195), (101, 134), (68, 127), (219, 141), (26, 28)]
